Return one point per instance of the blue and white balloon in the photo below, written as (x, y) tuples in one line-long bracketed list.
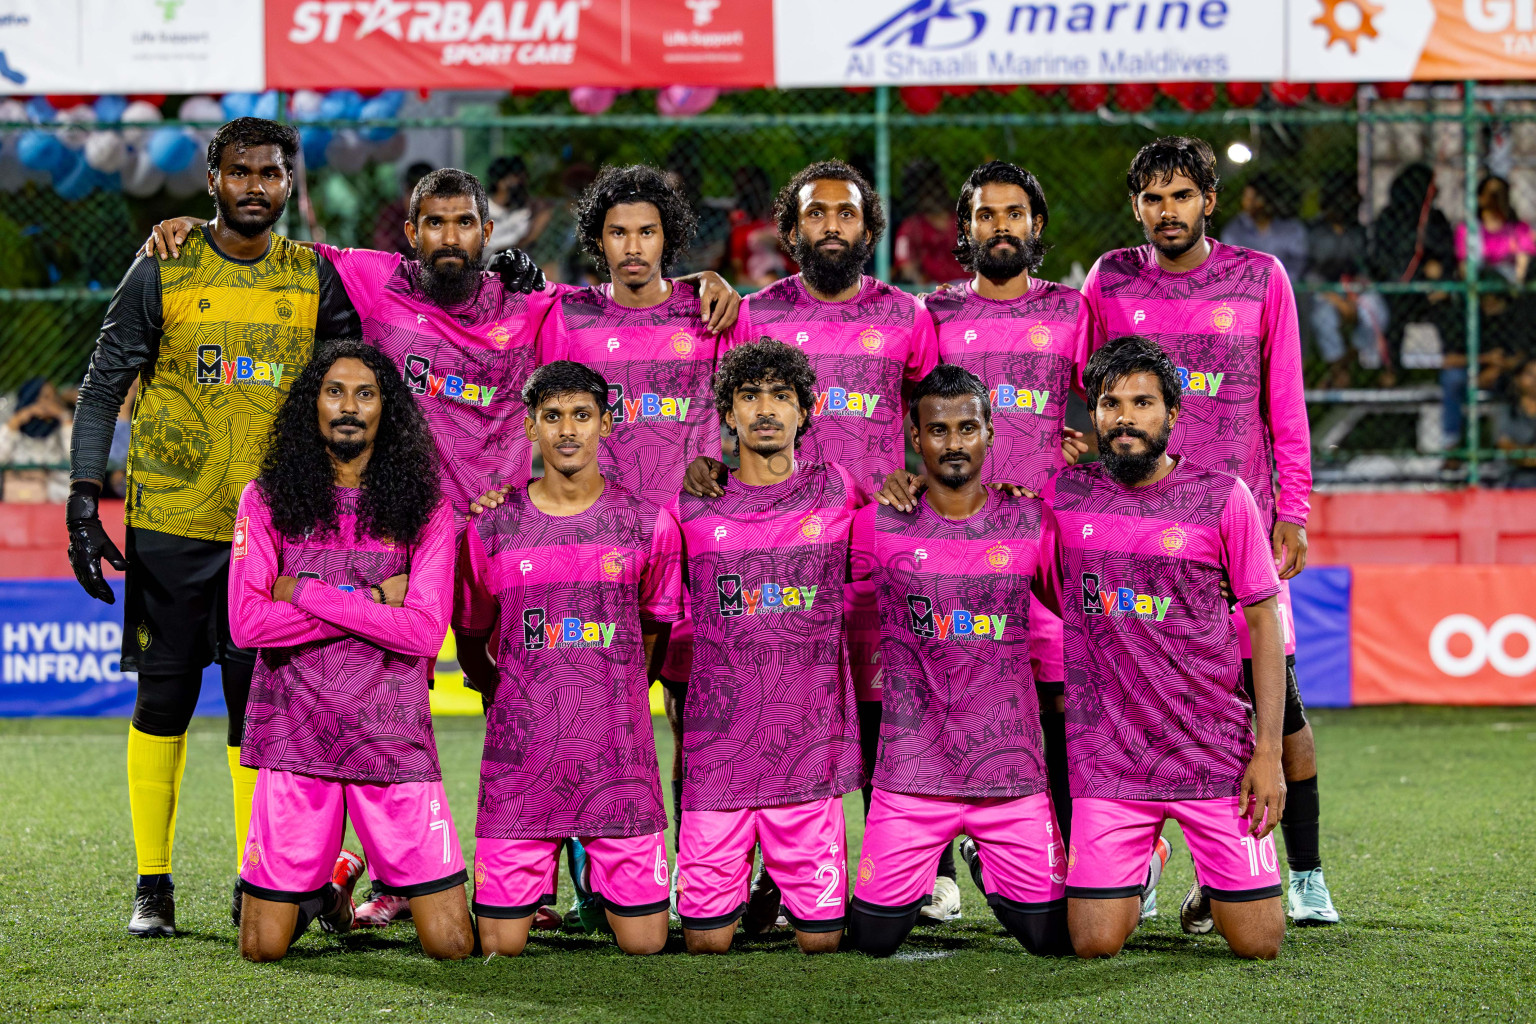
[(106, 152), (172, 149), (141, 178)]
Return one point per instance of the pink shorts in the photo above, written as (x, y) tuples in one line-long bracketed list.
[(804, 849), (1022, 859), (515, 877), (1112, 842), (297, 824), (1287, 623)]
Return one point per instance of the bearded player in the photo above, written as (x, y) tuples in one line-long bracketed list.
[(960, 742), (769, 728), (215, 341), (577, 575), (1227, 318), (342, 578), (866, 342), (1144, 550)]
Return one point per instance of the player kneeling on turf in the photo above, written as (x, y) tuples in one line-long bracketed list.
[(342, 575), (1140, 545), (960, 742), (577, 577)]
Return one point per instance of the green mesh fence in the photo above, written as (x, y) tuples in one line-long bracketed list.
[(1384, 303)]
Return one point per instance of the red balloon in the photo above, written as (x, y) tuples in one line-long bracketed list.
[(1134, 97), (1244, 94), (921, 99), (155, 98), (1336, 93), (1004, 89), (1090, 96), (858, 88), (1045, 90), (1288, 94), (1392, 90), (64, 102), (959, 90)]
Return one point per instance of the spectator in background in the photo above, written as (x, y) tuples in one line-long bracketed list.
[(1336, 254), (1263, 224), (36, 436), (389, 229), (517, 221), (1413, 242), (1504, 345), (923, 251), (1507, 241), (1516, 426), (757, 259)]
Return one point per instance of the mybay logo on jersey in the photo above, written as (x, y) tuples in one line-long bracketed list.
[(488, 33), (420, 379), (1121, 601), (737, 600), (646, 406), (1008, 398), (839, 401), (213, 368), (957, 624), (542, 633), (1199, 382)]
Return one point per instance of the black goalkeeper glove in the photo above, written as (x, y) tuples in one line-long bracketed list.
[(517, 271), (88, 541)]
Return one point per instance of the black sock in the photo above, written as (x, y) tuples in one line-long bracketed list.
[(157, 882), (947, 861), (1054, 725), (1300, 825), (677, 815)]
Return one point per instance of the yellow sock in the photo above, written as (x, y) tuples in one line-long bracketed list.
[(155, 764), (244, 780)]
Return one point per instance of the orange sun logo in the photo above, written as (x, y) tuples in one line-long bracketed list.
[(1362, 25)]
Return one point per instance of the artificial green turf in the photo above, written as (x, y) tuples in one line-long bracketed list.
[(1429, 839)]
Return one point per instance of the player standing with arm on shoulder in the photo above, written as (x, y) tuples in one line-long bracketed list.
[(342, 578), (215, 341), (578, 576), (770, 730), (1226, 316), (961, 748), (1157, 718)]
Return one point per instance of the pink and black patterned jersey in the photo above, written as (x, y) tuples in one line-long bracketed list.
[(340, 689), (862, 351), (658, 363), (770, 715), (960, 716), (1028, 352), (568, 743), (1230, 327), (466, 366), (1155, 703)]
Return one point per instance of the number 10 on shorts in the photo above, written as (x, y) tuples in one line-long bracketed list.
[(1261, 855)]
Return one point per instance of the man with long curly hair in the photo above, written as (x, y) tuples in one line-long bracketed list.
[(341, 578)]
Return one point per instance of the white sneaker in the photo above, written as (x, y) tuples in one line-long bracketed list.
[(1308, 899), (944, 904)]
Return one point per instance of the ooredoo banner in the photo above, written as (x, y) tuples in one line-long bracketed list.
[(534, 44), (1447, 634)]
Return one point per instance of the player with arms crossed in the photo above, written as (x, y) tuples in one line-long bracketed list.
[(769, 727), (1142, 546), (1226, 316), (960, 742), (577, 575), (867, 341), (215, 340), (342, 577)]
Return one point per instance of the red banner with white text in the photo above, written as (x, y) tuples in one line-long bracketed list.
[(507, 44)]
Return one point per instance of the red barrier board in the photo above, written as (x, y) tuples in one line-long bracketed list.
[(1444, 634), (504, 44)]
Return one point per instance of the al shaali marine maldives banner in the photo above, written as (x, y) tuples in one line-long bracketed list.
[(126, 46)]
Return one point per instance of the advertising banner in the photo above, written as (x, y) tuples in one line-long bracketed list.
[(936, 42), (125, 46), (1320, 600), (1444, 634), (1399, 40), (528, 44)]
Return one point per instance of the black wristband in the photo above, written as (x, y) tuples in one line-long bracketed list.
[(378, 593)]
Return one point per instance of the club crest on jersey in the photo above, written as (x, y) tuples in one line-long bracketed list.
[(540, 633), (842, 402), (1199, 382), (736, 600), (420, 379), (499, 335), (872, 340), (811, 527), (646, 406), (1172, 540), (958, 624), (1223, 318), (612, 564), (1008, 398), (683, 343), (998, 557), (1040, 336), (1121, 601), (213, 368)]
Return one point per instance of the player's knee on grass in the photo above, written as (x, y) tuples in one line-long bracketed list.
[(501, 936), (442, 924), (1100, 927), (639, 936), (711, 940), (1254, 930), (880, 931), (818, 942), (1042, 932), (269, 927)]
